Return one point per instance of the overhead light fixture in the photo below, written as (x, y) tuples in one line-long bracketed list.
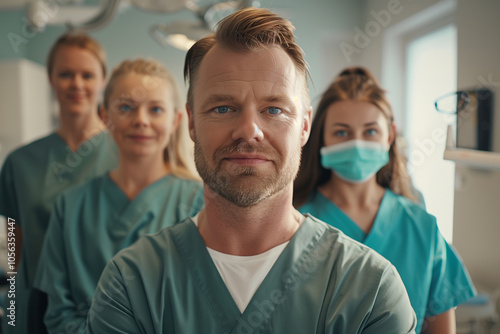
[(161, 6), (41, 13), (180, 34), (75, 16), (180, 41), (183, 34)]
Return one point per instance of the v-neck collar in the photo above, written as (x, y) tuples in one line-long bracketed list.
[(212, 286), (131, 210), (348, 226), (94, 140), (382, 220)]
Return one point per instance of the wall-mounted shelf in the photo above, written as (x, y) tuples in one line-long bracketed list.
[(473, 158), (470, 157)]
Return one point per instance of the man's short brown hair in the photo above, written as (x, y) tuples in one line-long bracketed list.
[(244, 31)]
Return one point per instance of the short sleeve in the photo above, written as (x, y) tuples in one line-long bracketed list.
[(111, 311), (392, 311), (8, 196), (451, 284)]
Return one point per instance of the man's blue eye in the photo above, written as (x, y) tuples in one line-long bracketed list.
[(274, 110), (371, 132), (157, 109), (222, 109)]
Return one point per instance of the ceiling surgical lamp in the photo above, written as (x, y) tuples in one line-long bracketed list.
[(183, 34)]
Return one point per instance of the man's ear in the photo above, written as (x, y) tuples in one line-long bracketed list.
[(192, 133), (306, 125)]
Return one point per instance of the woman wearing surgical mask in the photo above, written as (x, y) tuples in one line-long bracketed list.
[(353, 177)]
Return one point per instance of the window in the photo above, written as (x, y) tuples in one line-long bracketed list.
[(431, 67)]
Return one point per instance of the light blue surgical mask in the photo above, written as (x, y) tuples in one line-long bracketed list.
[(355, 161)]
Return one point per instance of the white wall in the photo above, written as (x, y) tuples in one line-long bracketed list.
[(477, 203), (24, 104)]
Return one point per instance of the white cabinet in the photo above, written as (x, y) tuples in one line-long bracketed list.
[(25, 104)]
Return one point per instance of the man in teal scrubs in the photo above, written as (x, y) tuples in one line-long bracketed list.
[(249, 262)]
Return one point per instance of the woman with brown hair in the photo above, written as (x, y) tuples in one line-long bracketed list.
[(353, 177), (80, 148)]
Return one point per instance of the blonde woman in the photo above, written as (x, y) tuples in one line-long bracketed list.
[(33, 175), (151, 188)]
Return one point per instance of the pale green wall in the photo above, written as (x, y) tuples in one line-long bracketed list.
[(11, 25)]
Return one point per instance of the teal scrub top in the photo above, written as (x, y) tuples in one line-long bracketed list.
[(323, 282), (405, 234), (31, 178), (89, 225)]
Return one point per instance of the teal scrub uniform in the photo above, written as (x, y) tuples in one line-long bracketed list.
[(322, 282), (31, 178), (405, 234), (89, 225)]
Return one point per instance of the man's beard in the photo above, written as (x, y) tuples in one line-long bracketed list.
[(246, 186)]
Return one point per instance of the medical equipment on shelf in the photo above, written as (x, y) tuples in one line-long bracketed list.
[(474, 116)]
